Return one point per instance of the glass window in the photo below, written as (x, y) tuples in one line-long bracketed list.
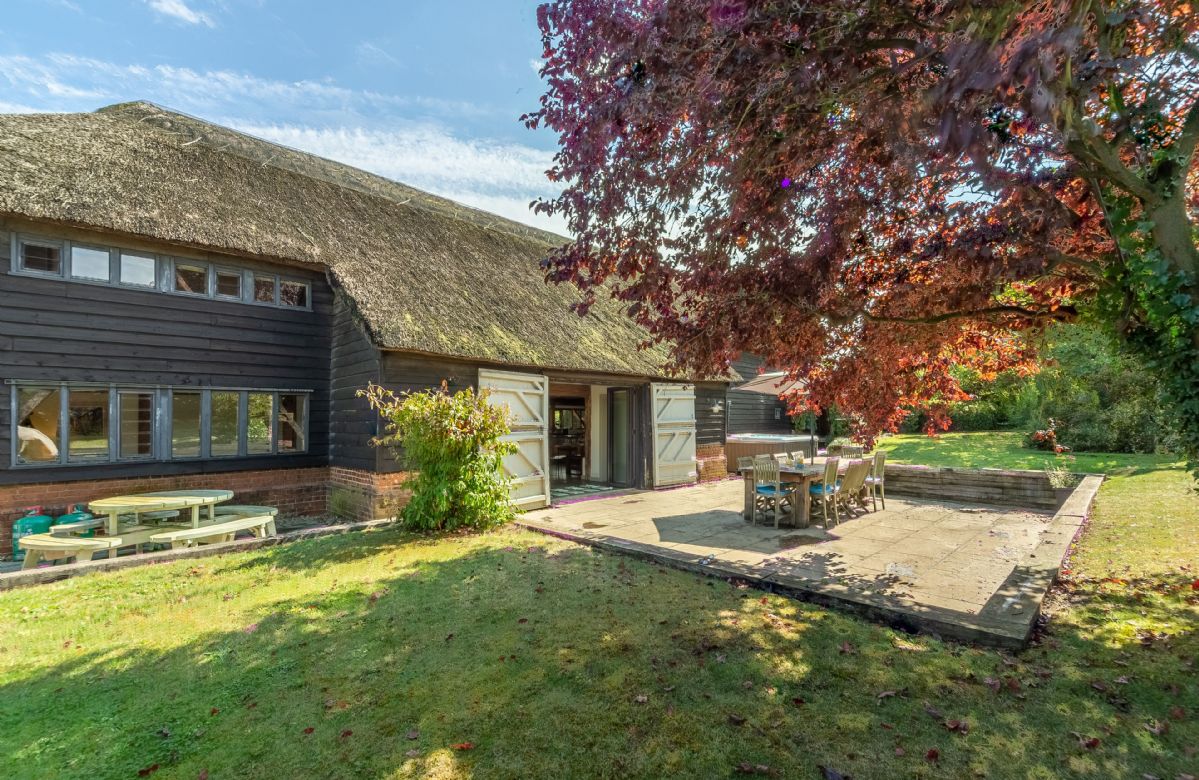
[(259, 431), (87, 424), (37, 424), (226, 419), (135, 431), (293, 294), (264, 289), (138, 271), (293, 422), (89, 263), (185, 424), (191, 278), (228, 284), (41, 258)]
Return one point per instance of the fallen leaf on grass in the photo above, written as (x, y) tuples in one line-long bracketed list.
[(309, 730), (147, 771), (736, 720), (885, 695), (798, 701), (1085, 742), (641, 698), (932, 755), (463, 746), (1157, 728), (957, 726), (1177, 713), (900, 751), (933, 712), (414, 734), (847, 648), (214, 711), (203, 775), (412, 753), (993, 684), (523, 620), (346, 733), (250, 629)]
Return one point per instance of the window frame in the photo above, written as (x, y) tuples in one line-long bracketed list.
[(18, 255), (155, 402), (69, 271), (120, 257), (252, 294), (282, 280), (162, 423), (217, 270), (175, 262), (164, 272)]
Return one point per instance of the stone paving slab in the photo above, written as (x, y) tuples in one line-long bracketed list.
[(965, 571)]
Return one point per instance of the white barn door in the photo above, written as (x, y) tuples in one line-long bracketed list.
[(527, 397), (673, 434)]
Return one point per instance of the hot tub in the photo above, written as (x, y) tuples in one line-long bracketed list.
[(740, 445)]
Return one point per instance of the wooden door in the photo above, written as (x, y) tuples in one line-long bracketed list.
[(673, 434), (528, 401)]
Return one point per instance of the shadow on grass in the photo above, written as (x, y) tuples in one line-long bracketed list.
[(542, 660)]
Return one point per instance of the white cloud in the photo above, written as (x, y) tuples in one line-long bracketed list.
[(178, 9), (371, 54), (83, 82), (496, 177), (536, 64)]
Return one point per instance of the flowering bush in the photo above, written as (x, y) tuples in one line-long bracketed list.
[(1046, 439), (454, 447)]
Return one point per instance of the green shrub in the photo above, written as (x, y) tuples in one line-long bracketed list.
[(454, 447)]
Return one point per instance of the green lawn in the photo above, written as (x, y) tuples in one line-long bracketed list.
[(509, 654)]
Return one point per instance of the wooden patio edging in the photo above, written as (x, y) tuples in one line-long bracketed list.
[(998, 487), (1027, 585), (45, 574)]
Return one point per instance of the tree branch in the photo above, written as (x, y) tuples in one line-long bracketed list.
[(1062, 313), (1189, 138)]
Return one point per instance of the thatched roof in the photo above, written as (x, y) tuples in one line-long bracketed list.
[(426, 274)]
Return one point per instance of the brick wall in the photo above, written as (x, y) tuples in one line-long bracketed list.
[(710, 462), (300, 492), (355, 494)]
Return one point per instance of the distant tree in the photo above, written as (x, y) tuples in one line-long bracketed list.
[(870, 192)]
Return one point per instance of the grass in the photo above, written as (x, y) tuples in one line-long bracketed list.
[(510, 654)]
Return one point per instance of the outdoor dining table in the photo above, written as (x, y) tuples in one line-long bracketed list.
[(802, 476), (160, 501)]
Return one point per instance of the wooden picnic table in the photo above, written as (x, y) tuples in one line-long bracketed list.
[(159, 501), (803, 477)]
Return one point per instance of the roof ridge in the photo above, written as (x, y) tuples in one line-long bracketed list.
[(242, 144)]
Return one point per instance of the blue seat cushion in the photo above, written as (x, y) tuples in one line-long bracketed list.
[(822, 489), (768, 490)]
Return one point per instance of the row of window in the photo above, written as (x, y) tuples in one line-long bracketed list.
[(72, 424), (138, 270)]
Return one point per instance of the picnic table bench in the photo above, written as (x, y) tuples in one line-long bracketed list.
[(224, 531), (49, 547)]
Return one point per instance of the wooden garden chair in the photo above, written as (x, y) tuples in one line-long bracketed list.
[(769, 490), (876, 483), (853, 485), (826, 490)]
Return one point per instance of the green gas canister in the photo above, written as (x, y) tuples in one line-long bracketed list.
[(34, 522), (76, 515)]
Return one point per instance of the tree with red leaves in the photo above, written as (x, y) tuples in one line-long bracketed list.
[(871, 193)]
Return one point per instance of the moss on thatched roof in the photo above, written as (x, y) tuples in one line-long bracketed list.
[(426, 274)]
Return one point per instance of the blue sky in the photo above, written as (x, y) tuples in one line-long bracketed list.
[(422, 91)]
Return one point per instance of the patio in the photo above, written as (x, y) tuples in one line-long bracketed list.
[(967, 571)]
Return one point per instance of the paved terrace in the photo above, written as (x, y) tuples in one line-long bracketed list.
[(965, 571)]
